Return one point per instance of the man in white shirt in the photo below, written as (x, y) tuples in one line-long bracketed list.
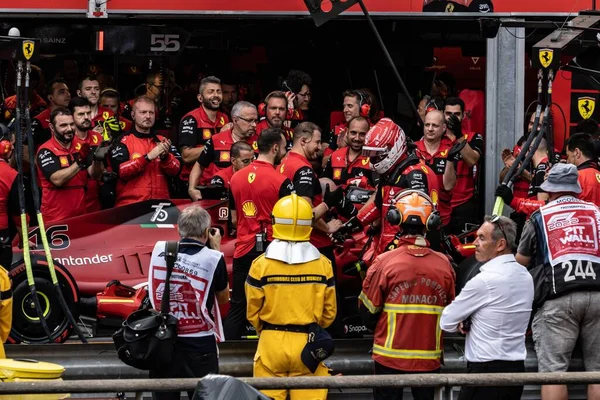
[(493, 310)]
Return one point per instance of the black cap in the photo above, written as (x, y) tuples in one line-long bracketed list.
[(319, 347)]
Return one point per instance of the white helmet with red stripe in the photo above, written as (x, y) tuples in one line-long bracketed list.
[(385, 144)]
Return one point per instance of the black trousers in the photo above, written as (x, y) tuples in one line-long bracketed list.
[(336, 329), (236, 321), (493, 392), (419, 393), (462, 215), (185, 364), (5, 249)]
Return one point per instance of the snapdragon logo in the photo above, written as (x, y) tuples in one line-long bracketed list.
[(354, 329)]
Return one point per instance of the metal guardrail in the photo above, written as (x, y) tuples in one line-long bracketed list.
[(439, 381)]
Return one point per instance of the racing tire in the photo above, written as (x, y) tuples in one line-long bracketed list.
[(465, 271), (26, 327)]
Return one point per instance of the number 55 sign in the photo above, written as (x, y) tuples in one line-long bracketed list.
[(165, 43)]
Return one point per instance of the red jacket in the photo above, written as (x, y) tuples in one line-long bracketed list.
[(92, 194), (465, 174), (63, 202), (217, 154), (196, 129), (254, 191), (589, 179), (289, 133), (306, 183), (36, 106), (9, 205), (139, 179), (344, 172), (437, 162), (409, 287)]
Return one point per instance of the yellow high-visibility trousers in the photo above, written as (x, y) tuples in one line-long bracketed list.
[(278, 354)]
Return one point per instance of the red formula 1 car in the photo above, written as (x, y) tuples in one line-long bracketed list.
[(102, 260)]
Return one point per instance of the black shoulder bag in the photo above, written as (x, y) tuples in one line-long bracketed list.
[(147, 337)]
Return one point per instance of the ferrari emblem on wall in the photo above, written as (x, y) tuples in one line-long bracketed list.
[(586, 106), (28, 49), (546, 56)]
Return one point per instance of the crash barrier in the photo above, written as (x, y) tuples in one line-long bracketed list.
[(443, 382), (351, 357)]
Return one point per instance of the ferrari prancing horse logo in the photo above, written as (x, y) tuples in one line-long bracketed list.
[(28, 49), (251, 177), (586, 106), (546, 56)]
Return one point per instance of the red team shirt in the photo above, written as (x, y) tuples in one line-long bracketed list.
[(196, 129), (254, 192), (437, 162)]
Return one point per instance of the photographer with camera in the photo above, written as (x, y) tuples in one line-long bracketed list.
[(201, 281), (493, 310), (408, 287)]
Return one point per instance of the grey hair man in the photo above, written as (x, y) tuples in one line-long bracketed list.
[(493, 310), (216, 155), (560, 243), (198, 284)]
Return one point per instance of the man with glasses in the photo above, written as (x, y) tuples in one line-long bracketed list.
[(217, 151), (297, 87), (241, 156), (493, 310), (560, 242)]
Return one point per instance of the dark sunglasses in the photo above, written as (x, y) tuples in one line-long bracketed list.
[(496, 222)]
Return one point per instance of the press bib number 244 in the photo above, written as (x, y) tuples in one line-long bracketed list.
[(577, 271)]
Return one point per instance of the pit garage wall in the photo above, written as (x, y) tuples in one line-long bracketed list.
[(505, 88), (265, 7)]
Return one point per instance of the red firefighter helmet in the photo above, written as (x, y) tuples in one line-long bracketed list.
[(385, 144)]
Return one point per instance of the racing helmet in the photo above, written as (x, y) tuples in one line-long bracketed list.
[(292, 219), (385, 144), (416, 209)]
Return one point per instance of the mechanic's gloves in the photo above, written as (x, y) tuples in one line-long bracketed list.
[(101, 151), (454, 125), (505, 193), (110, 125), (334, 198), (352, 226), (454, 152), (81, 155)]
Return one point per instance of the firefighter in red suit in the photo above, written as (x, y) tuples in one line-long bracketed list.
[(36, 103), (464, 201), (386, 147), (216, 154), (9, 197), (254, 192), (347, 166), (242, 155), (403, 296), (143, 160), (274, 109), (63, 170), (434, 149), (199, 125)]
